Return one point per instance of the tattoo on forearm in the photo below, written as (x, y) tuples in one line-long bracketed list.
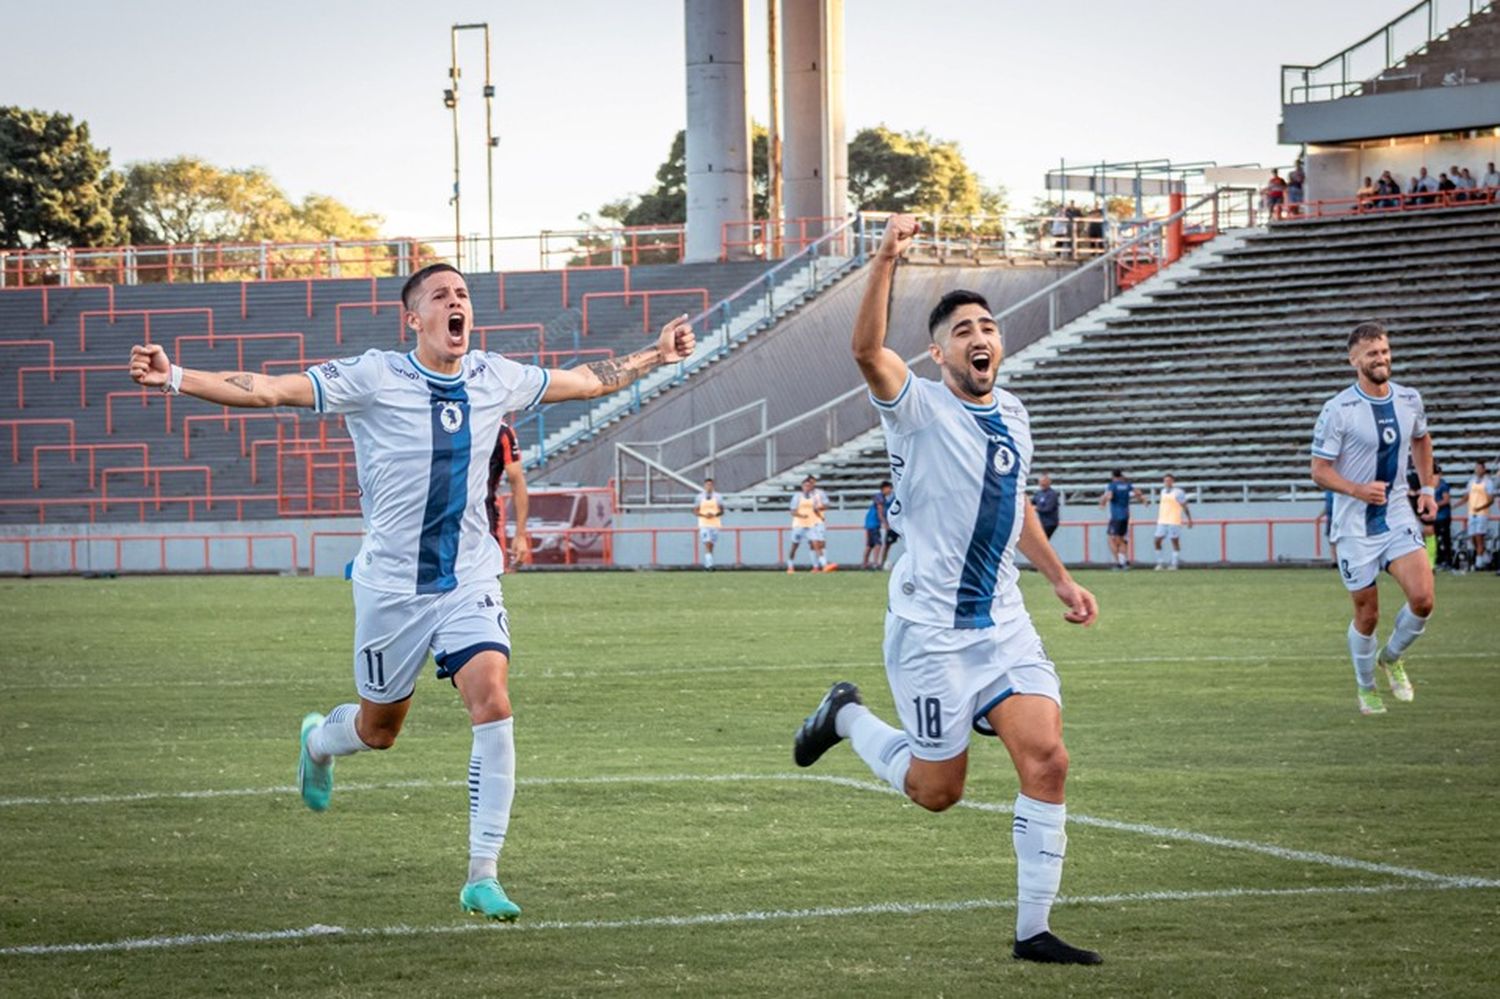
[(246, 382), (617, 372)]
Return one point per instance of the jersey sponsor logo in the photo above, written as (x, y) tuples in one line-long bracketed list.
[(451, 416)]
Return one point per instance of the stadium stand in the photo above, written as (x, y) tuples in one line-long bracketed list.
[(87, 445), (1218, 376), (1469, 53)]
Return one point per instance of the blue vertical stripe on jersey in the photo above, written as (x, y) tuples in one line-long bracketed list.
[(447, 492), (992, 528), (1388, 435)]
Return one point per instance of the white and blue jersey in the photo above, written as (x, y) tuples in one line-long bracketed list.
[(1368, 439), (422, 444), (960, 474)]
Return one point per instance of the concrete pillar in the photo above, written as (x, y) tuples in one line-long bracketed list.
[(718, 125), (815, 151)]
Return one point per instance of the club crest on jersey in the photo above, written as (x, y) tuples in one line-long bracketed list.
[(1388, 435), (1004, 460), (451, 416)]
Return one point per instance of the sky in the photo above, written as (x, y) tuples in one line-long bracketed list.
[(344, 98)]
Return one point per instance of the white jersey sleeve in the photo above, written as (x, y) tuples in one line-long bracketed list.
[(1419, 423), (348, 384), (1328, 432), (911, 410), (522, 385)]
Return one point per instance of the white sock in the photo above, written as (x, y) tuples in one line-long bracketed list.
[(1363, 649), (822, 560), (1409, 628), (1174, 556), (336, 736), (492, 787), (884, 749), (845, 718), (1120, 559), (1037, 834), (708, 559)]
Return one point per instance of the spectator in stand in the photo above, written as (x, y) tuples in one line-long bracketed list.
[(1294, 184), (1446, 187), (1274, 193), (1388, 186), (1442, 525), (1095, 231), (1470, 185), (1060, 241), (1426, 184), (1491, 182), (1048, 505), (1365, 196)]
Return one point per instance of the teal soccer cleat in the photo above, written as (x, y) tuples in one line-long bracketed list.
[(486, 898), (314, 780)]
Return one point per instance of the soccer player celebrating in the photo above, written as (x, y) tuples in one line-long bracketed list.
[(425, 579), (960, 650), (1359, 450)]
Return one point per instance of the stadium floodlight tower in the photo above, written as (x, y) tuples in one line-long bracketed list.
[(450, 101), (717, 150)]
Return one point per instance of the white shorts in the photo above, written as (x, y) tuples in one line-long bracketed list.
[(708, 535), (393, 633), (1173, 531), (946, 680), (812, 533), (1361, 560), (1479, 524)]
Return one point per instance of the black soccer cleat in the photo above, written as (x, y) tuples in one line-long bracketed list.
[(1044, 948), (818, 734)]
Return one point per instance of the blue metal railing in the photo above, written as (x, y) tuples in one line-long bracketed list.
[(716, 322)]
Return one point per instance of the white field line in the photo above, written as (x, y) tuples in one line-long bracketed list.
[(1138, 828), (546, 673), (320, 931)]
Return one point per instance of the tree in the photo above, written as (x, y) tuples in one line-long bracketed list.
[(913, 172), (186, 200), (56, 188), (888, 171)]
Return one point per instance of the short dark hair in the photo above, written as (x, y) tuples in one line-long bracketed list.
[(415, 281), (1367, 330), (1118, 473), (707, 480), (887, 482), (949, 304)]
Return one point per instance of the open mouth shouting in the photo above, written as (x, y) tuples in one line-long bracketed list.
[(456, 331), (982, 361)]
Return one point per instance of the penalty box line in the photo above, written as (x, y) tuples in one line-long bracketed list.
[(323, 932), (1136, 828)]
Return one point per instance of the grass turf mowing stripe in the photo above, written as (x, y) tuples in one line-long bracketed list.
[(696, 919), (1138, 828)]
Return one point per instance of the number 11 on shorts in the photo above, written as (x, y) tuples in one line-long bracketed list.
[(375, 667), (929, 717)]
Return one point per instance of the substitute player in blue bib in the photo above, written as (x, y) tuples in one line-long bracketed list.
[(960, 650), (1360, 448), (423, 425)]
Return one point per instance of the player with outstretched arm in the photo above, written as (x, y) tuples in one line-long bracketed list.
[(423, 425)]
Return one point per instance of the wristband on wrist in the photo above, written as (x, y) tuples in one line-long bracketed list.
[(174, 382), (1429, 491)]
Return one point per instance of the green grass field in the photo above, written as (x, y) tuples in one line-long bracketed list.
[(1236, 827)]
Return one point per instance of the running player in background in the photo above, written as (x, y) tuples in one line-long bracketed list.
[(1172, 514), (708, 505), (423, 425), (1360, 448), (1118, 495), (808, 514), (960, 650), (506, 459)]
